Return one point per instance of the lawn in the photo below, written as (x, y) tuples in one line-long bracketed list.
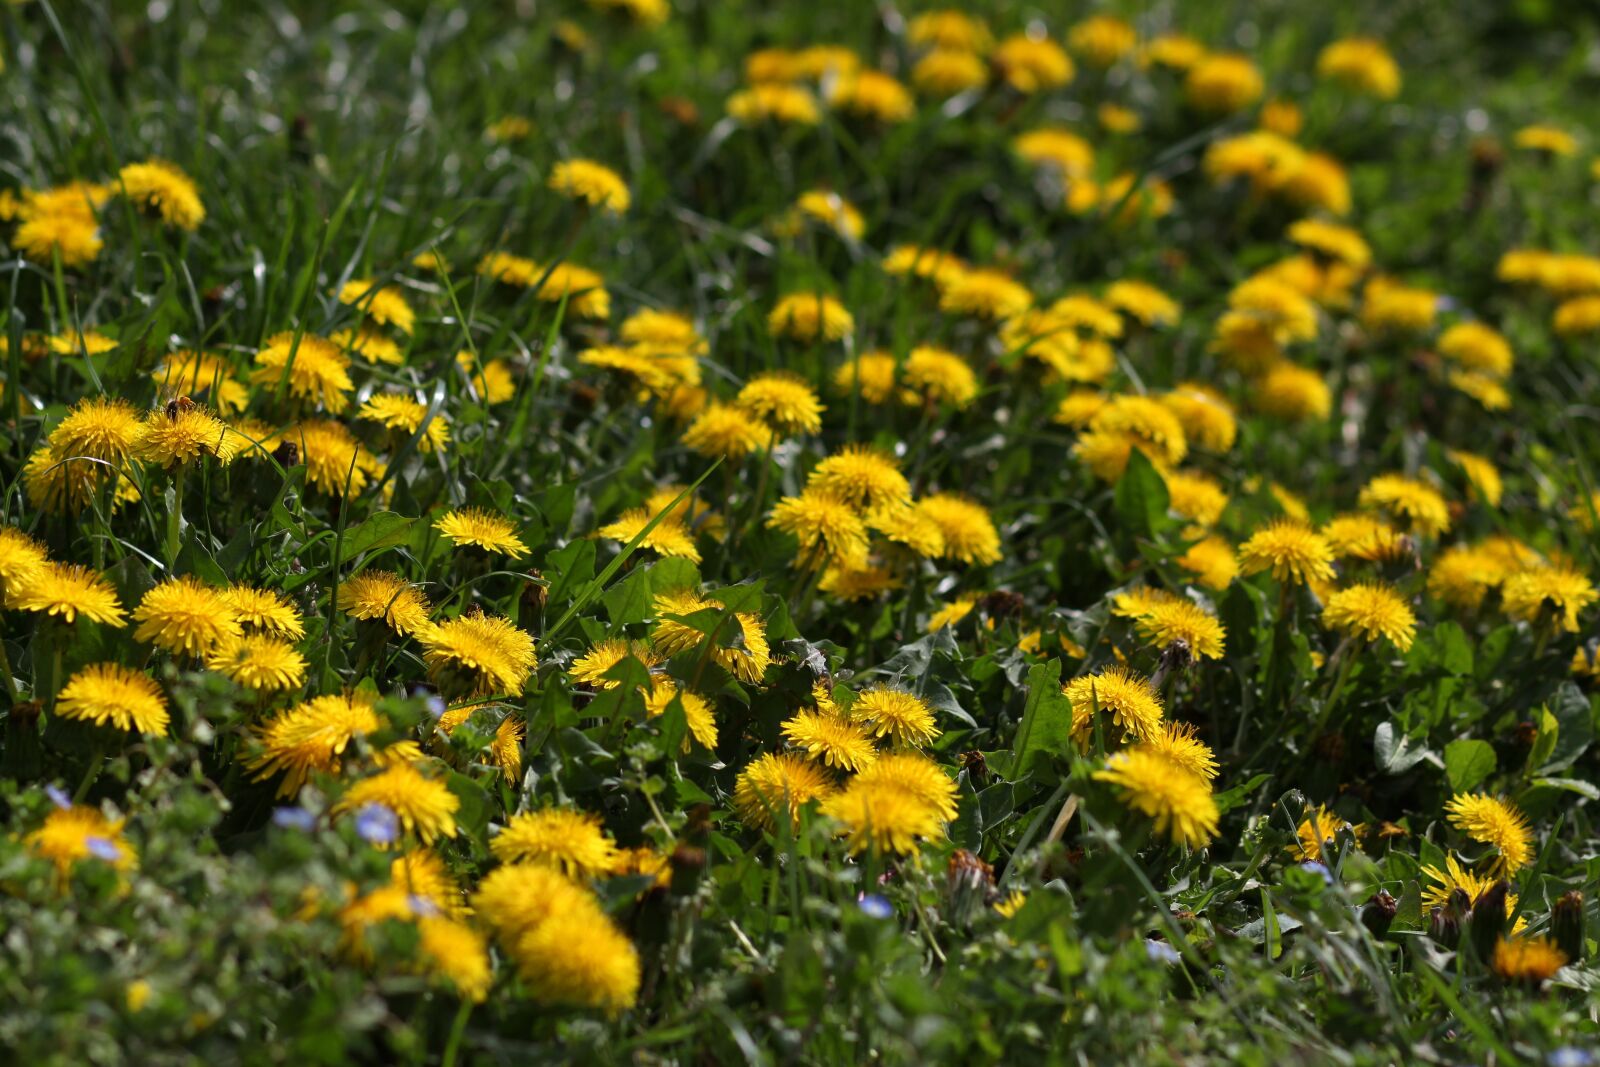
[(659, 531)]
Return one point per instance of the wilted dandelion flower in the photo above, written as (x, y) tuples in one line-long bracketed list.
[(831, 739), (68, 591), (76, 833), (184, 437), (883, 816), (904, 718), (863, 476), (260, 662), (1362, 64), (161, 189), (785, 104), (871, 373), (1178, 743), (110, 694), (947, 71), (481, 529), (810, 317), (310, 737), (965, 526), (1370, 610), (1297, 394), (478, 655), (98, 427), (592, 183), (1496, 822), (1561, 590), (1415, 501), (186, 617), (776, 783), (425, 806), (935, 375), (1529, 960), (316, 369), (383, 304), (387, 596), (572, 841), (985, 293), (1178, 801), (723, 430), (1031, 65), (826, 526), (1317, 833), (784, 401), (668, 537), (1127, 699), (1291, 550), (1222, 83)]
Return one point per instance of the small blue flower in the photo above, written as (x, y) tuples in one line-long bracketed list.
[(1161, 952), (431, 701), (1567, 1056), (102, 849), (294, 819), (58, 797), (421, 906), (875, 905), (377, 825), (1316, 868)]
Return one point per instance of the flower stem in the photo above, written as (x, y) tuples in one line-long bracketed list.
[(175, 519)]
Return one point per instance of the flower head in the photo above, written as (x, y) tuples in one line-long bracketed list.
[(775, 783), (825, 525), (98, 427), (668, 537), (965, 528), (784, 401), (387, 596), (110, 694), (315, 368), (1561, 590), (260, 662), (162, 190), (882, 815), (592, 183), (1178, 801), (311, 737), (1361, 64), (573, 841), (937, 376), (186, 617), (478, 655), (265, 610), (723, 430), (1127, 699), (1291, 550), (22, 559), (425, 806), (1530, 960), (75, 833), (1497, 822), (383, 304), (810, 317), (904, 718), (831, 739), (481, 529), (862, 476), (185, 436), (405, 415), (1371, 610), (68, 591)]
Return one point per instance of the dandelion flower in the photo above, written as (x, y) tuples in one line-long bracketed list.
[(1196, 497), (904, 718), (1222, 83), (260, 662), (69, 835), (1366, 537), (1317, 833), (310, 737), (68, 591), (98, 427), (810, 317), (161, 189), (74, 238), (578, 959), (1291, 550), (592, 667), (592, 183), (1031, 65), (186, 617), (184, 437), (916, 774), (948, 71), (951, 614), (201, 374), (265, 610), (109, 694), (874, 95), (872, 374), (1295, 394), (789, 105), (1415, 501), (406, 415), (425, 806), (669, 538), (1561, 590), (826, 527), (573, 841), (1497, 822), (883, 816), (1454, 877), (771, 784), (984, 293), (1178, 801), (22, 559), (965, 527), (1178, 743), (316, 369), (698, 715), (1212, 561), (1175, 619), (1530, 960), (481, 529), (1102, 39), (722, 430), (937, 376), (478, 655), (387, 596), (863, 476), (335, 461), (1371, 610), (1128, 699), (831, 739), (385, 304), (1362, 64)]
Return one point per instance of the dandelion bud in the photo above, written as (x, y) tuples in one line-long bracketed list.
[(1488, 920), (969, 883), (1379, 912), (688, 863), (1567, 924)]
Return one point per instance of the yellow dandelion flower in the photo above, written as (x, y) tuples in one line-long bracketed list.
[(1146, 304), (965, 527), (406, 415), (22, 559), (1291, 550), (387, 596), (1530, 960), (68, 591), (1362, 64), (952, 29), (578, 959), (1370, 610), (591, 183), (1032, 64), (1212, 561), (1497, 822), (591, 667), (98, 427), (669, 538), (937, 376), (1296, 394), (478, 655), (1549, 140), (1365, 537), (1127, 699), (161, 189), (810, 317), (1482, 475), (184, 437), (883, 816), (201, 375), (260, 662), (985, 293), (863, 476), (69, 835), (316, 369), (572, 841), (789, 105), (775, 783), (831, 739), (1222, 83), (826, 527), (481, 529), (1178, 743), (697, 710), (726, 431), (783, 401), (948, 71), (334, 459), (951, 614), (1101, 40), (1317, 833), (383, 304), (1419, 503), (852, 585), (185, 617), (904, 718), (1177, 801), (425, 806), (310, 737), (74, 238), (1196, 497), (110, 694), (1171, 619), (875, 95)]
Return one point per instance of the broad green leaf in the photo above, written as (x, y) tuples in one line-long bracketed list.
[(1046, 727), (1141, 496), (380, 530), (1468, 761)]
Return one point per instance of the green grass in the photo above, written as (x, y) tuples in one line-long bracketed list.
[(333, 144)]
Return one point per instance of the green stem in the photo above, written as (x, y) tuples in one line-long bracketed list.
[(458, 1028), (175, 518)]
